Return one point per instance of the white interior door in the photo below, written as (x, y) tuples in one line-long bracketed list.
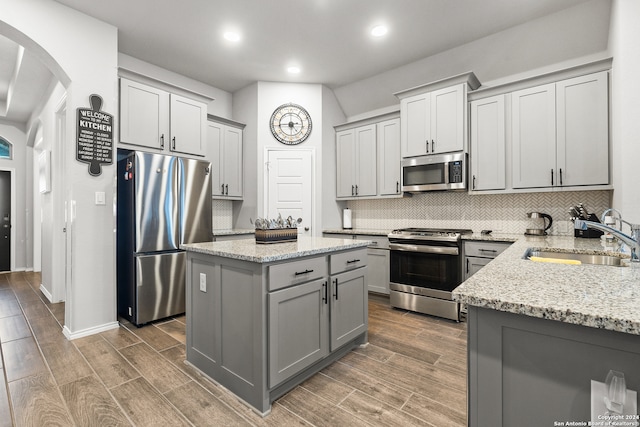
[(290, 186)]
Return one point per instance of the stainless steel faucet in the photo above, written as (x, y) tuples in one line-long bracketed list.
[(633, 241)]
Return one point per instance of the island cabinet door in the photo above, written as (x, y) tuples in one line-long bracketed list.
[(348, 306), (298, 329)]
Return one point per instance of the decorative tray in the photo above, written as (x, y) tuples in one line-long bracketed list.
[(277, 235)]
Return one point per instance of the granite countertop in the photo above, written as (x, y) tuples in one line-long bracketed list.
[(359, 231), (233, 232), (493, 237), (249, 250), (590, 295)]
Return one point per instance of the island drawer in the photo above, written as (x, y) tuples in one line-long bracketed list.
[(348, 260), (296, 272), (485, 249)]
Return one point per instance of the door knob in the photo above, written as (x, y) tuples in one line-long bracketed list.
[(306, 229)]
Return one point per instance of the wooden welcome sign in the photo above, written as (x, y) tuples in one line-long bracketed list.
[(95, 136)]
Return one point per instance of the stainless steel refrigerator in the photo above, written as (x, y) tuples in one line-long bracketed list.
[(162, 201)]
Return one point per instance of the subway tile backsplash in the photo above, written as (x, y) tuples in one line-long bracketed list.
[(502, 213)]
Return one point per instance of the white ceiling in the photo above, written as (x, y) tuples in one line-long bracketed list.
[(328, 39)]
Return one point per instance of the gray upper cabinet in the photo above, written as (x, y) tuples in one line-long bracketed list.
[(488, 144), (388, 137), (433, 122), (560, 133), (144, 115), (434, 116), (154, 118), (224, 143), (368, 158), (356, 162)]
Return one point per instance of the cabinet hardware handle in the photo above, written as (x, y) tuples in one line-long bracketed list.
[(488, 250), (174, 142), (336, 294), (299, 273), (551, 176), (473, 186), (226, 191), (560, 176), (374, 244), (356, 189), (353, 190), (397, 186), (162, 140), (223, 189), (467, 265), (326, 294), (432, 143), (352, 261), (427, 145)]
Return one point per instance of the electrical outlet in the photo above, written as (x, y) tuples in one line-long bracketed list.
[(203, 282)]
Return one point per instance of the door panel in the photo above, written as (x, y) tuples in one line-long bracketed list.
[(195, 201), (156, 202), (5, 220), (160, 286), (290, 187)]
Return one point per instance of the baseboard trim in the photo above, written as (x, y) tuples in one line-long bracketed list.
[(89, 331), (46, 293)]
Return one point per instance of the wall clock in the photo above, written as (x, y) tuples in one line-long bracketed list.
[(290, 124)]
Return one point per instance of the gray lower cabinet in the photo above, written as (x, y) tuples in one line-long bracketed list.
[(260, 329), (348, 308), (530, 372), (298, 329), (477, 254)]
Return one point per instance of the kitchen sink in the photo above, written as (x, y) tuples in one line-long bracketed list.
[(574, 258)]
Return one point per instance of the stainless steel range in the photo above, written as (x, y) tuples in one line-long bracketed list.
[(425, 267)]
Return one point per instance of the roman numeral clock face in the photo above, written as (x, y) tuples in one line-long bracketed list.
[(290, 124)]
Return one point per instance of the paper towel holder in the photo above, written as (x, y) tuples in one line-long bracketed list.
[(346, 219)]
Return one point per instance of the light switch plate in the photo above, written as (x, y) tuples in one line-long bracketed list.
[(100, 198)]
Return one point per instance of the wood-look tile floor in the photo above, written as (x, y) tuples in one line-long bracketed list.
[(413, 372)]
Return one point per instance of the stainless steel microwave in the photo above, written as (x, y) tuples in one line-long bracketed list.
[(435, 172)]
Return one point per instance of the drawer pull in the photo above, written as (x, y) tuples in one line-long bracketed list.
[(488, 250), (336, 288), (352, 261), (300, 273)]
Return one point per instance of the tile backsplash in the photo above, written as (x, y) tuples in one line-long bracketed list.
[(222, 214), (502, 213)]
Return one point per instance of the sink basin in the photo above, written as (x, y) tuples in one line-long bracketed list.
[(573, 258)]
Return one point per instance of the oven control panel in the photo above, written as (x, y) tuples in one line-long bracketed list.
[(455, 171)]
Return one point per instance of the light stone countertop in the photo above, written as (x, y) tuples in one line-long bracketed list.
[(249, 250), (358, 231), (590, 295), (233, 232)]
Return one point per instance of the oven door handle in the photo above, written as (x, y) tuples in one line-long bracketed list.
[(444, 250)]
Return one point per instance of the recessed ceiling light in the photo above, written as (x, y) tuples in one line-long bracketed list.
[(232, 36), (293, 70), (379, 31)]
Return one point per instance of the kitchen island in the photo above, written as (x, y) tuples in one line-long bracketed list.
[(261, 318), (539, 332)]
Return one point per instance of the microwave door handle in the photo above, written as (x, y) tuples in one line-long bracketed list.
[(446, 172), (443, 250)]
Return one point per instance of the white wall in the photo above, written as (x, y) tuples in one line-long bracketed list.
[(558, 38), (625, 108), (81, 52), (222, 100), (254, 106), (18, 164)]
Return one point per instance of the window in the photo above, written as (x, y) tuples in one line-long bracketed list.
[(5, 149)]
